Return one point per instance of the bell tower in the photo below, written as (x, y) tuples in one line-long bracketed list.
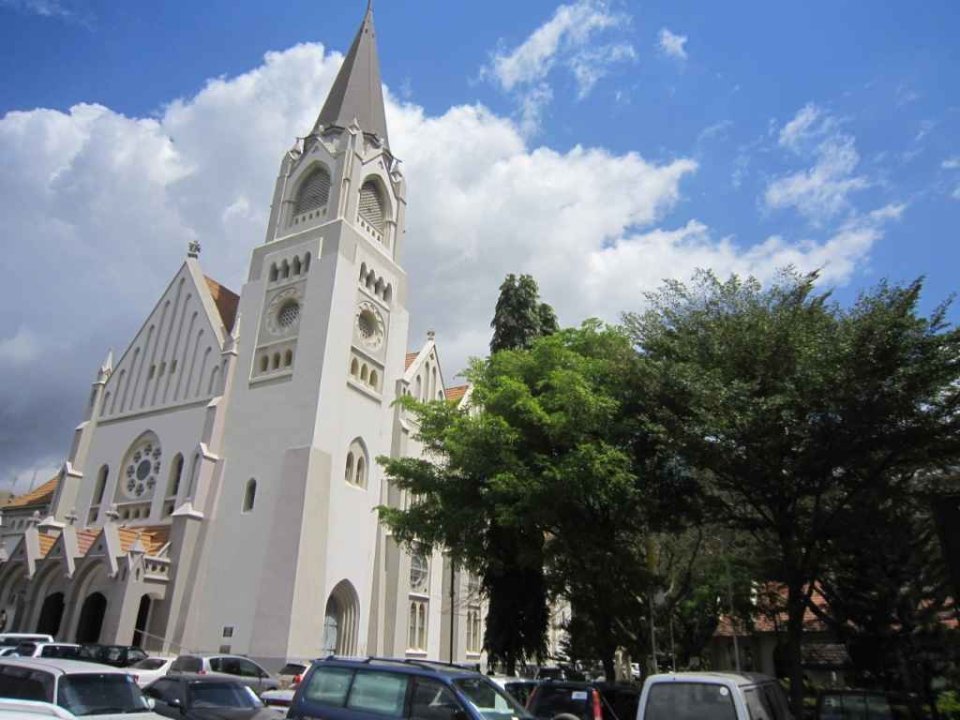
[(289, 565)]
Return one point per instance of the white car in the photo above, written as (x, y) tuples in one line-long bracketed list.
[(47, 650), (32, 708), (81, 688), (150, 669), (724, 696), (14, 639)]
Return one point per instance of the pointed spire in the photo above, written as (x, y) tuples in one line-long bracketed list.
[(357, 93), (106, 367)]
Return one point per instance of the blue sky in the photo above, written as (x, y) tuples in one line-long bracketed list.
[(602, 146)]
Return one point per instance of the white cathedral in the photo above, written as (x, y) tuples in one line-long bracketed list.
[(221, 492)]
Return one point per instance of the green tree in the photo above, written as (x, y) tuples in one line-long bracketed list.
[(794, 410), (548, 462), (889, 604), (520, 317)]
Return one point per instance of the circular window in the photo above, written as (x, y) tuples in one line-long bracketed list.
[(419, 570), (141, 469), (288, 314), (369, 326)]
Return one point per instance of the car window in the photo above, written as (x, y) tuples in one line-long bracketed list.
[(23, 684), (488, 699), (689, 701), (551, 700), (187, 663), (135, 654), (328, 686), (520, 691), (246, 668), (619, 703), (60, 651), (378, 692), (26, 649), (776, 700), (164, 689), (433, 700), (231, 694), (757, 705), (292, 669), (100, 693), (149, 664)]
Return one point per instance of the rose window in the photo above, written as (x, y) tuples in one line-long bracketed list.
[(369, 326), (289, 314), (142, 469), (419, 571)]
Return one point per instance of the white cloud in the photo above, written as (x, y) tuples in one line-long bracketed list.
[(571, 39), (956, 193), (19, 349), (821, 191), (800, 127), (951, 163), (672, 44), (106, 204)]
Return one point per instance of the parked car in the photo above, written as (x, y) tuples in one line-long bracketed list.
[(206, 697), (866, 705), (278, 698), (718, 696), (348, 689), (119, 656), (583, 701), (45, 649), (81, 688), (291, 673), (21, 709), (244, 669), (150, 669), (520, 689), (14, 639)]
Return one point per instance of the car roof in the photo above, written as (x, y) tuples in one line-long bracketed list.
[(64, 666), (718, 678), (408, 666), (197, 679)]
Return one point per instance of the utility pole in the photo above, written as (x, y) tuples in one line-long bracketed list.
[(733, 623), (453, 572)]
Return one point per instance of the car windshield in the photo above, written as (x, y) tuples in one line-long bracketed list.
[(552, 700), (149, 664), (225, 694), (100, 694), (292, 669), (489, 700)]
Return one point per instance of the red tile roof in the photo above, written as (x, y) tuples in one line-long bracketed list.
[(46, 542), (226, 302), (411, 356), (151, 537), (85, 540), (455, 394), (38, 496)]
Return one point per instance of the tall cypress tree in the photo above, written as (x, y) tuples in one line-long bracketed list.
[(520, 317)]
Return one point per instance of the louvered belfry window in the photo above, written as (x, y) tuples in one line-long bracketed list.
[(371, 205), (314, 192)]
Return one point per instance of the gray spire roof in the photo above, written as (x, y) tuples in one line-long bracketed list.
[(357, 93)]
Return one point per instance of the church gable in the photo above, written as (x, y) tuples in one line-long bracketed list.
[(423, 377), (175, 357)]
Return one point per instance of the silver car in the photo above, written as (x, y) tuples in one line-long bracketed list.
[(81, 688), (240, 668)]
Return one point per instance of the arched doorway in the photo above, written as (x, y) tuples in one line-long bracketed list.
[(340, 620), (140, 626), (91, 618), (51, 615)]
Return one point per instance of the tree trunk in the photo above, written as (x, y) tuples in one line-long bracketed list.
[(511, 665), (795, 612), (609, 668)]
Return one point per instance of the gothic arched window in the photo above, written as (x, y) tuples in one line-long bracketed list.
[(371, 205), (314, 191)]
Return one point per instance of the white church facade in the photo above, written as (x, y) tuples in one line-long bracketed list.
[(221, 491)]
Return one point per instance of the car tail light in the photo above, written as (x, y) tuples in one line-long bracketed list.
[(296, 680), (201, 671), (597, 709)]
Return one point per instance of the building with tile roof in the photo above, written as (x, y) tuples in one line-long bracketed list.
[(220, 493)]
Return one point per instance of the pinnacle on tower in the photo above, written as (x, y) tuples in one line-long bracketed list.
[(357, 93)]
